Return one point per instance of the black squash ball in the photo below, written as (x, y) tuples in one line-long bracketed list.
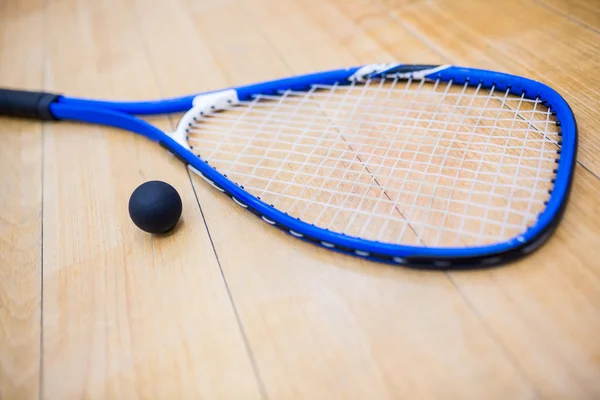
[(155, 207)]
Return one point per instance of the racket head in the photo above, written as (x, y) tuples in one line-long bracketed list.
[(263, 146), (425, 166)]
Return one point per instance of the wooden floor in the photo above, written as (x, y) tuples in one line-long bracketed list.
[(229, 308)]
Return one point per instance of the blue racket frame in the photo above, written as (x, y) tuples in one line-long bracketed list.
[(121, 115)]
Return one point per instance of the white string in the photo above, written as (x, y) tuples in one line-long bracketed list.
[(357, 156), (284, 118), (387, 177), (384, 232), (456, 178), (346, 147), (511, 198), (412, 208), (397, 163), (259, 128), (387, 148), (416, 207), (324, 158), (377, 173), (392, 190), (466, 215)]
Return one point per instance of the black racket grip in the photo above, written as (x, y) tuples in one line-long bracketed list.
[(26, 104)]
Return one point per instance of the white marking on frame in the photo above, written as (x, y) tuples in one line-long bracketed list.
[(239, 202), (421, 74), (268, 221), (216, 100), (201, 175), (294, 233), (202, 104), (371, 69)]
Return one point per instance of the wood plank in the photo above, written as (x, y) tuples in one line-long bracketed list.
[(125, 314), (586, 12), (516, 40), (562, 374), (550, 336), (21, 66), (317, 320)]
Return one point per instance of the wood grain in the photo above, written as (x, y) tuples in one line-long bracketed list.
[(586, 12), (516, 36), (571, 253), (125, 314), (21, 199), (228, 307), (330, 303), (275, 22)]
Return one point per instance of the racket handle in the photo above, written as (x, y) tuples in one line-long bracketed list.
[(26, 104)]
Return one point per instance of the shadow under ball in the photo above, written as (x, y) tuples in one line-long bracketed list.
[(155, 207)]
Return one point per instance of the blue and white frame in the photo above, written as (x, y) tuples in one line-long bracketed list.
[(121, 115)]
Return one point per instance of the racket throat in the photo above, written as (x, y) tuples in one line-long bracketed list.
[(203, 105)]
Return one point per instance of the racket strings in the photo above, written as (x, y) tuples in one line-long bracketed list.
[(405, 162)]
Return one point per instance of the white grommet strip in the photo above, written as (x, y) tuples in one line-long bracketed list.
[(201, 175), (239, 202), (268, 221)]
